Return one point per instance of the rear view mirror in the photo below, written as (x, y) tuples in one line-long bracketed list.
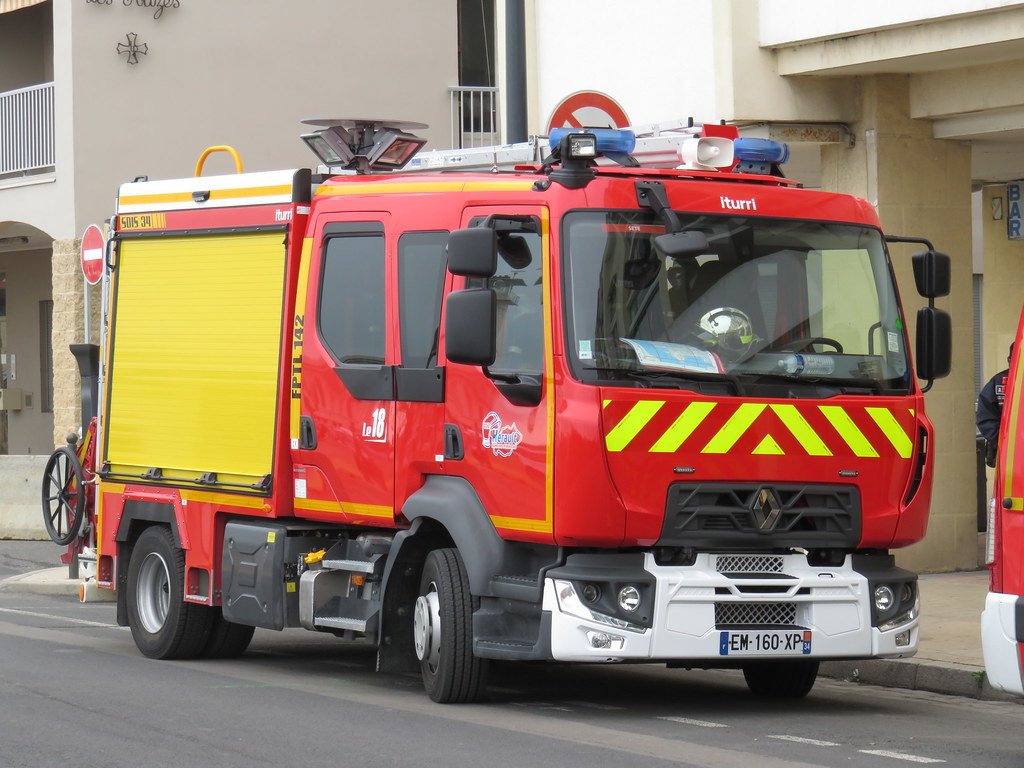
[(934, 343), (679, 244), (470, 325), (931, 273), (473, 252)]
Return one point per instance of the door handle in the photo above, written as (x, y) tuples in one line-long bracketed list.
[(307, 433), (453, 447)]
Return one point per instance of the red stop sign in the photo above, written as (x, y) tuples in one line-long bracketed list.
[(93, 250)]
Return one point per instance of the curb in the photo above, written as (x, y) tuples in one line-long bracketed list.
[(48, 581), (919, 675)]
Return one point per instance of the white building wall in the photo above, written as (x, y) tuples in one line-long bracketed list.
[(784, 22), (654, 57)]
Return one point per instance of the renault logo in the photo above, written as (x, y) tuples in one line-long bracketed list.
[(767, 509)]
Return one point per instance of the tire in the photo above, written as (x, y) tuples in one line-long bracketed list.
[(163, 625), (792, 679), (227, 640), (443, 632)]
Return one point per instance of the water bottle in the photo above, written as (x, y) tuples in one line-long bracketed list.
[(809, 365)]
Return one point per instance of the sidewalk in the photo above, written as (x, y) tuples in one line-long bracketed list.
[(948, 659)]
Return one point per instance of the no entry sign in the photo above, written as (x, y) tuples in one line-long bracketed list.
[(93, 249), (588, 109)]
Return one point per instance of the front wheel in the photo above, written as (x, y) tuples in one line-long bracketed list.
[(163, 625), (791, 679), (443, 631)]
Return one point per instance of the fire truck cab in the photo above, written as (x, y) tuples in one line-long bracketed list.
[(597, 408)]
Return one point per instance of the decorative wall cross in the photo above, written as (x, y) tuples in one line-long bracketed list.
[(133, 48)]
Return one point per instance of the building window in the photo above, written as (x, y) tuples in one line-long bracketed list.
[(45, 356)]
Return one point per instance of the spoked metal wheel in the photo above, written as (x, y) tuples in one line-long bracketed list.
[(63, 496)]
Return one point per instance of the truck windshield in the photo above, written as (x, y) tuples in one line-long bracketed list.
[(803, 306)]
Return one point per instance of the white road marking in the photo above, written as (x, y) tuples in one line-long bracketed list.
[(84, 622), (900, 756), (803, 740), (690, 721)]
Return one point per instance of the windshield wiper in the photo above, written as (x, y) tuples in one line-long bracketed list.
[(826, 381), (647, 375)]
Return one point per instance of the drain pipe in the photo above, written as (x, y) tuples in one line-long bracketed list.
[(515, 71)]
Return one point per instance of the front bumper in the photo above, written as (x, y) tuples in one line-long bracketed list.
[(691, 607), (999, 644)]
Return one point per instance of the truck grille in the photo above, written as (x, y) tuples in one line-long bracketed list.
[(755, 614), (756, 516), (752, 564)]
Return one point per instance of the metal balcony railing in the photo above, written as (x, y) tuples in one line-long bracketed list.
[(474, 116), (26, 130)]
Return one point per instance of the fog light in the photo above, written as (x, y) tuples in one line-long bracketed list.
[(591, 592), (629, 598), (903, 639), (604, 641), (884, 598)]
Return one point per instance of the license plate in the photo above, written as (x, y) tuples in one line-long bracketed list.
[(767, 643)]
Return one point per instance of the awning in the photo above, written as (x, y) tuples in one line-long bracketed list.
[(17, 5)]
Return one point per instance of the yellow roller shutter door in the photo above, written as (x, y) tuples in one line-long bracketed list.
[(193, 382)]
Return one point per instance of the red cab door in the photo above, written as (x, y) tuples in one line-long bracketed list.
[(505, 417), (345, 447)]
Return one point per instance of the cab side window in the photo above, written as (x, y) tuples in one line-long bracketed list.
[(519, 285), (351, 316), (421, 272)]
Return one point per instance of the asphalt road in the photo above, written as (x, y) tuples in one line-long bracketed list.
[(74, 691)]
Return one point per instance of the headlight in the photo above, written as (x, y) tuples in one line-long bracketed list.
[(569, 602), (884, 598), (629, 598)]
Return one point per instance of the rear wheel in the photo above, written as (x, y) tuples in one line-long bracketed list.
[(443, 631), (227, 639), (163, 625), (792, 679)]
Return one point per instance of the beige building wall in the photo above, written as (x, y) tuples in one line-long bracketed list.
[(921, 186), (226, 72)]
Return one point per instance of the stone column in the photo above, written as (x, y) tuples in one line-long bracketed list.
[(921, 186), (69, 328)]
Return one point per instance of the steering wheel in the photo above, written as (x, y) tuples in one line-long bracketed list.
[(63, 496), (795, 344)]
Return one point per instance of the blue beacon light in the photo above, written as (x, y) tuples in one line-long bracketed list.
[(608, 139), (753, 150)]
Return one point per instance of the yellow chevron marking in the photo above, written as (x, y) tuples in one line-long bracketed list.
[(734, 428), (768, 447), (624, 432), (604, 403), (887, 423), (688, 421), (844, 425), (801, 430)]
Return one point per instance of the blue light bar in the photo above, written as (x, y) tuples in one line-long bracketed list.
[(752, 150), (608, 139)]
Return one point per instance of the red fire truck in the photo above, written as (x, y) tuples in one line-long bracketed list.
[(1002, 622), (643, 400)]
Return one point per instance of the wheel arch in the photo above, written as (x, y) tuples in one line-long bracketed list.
[(136, 517)]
